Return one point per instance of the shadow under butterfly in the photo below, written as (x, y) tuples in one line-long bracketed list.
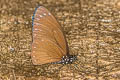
[(49, 44)]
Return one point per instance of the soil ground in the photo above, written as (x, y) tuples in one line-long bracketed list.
[(92, 29)]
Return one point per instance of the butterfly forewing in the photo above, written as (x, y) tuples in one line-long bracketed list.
[(45, 19), (49, 43)]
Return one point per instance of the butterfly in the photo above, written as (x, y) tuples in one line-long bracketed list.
[(49, 44)]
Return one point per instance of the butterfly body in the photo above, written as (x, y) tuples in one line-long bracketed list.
[(49, 44)]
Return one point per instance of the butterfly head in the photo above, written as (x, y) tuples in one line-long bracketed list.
[(72, 58)]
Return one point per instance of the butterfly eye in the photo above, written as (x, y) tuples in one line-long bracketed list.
[(49, 43)]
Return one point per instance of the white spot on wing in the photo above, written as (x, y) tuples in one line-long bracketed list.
[(41, 16), (37, 18), (34, 47), (33, 56), (35, 29), (49, 14), (44, 14)]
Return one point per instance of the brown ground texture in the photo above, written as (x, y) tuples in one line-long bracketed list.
[(92, 29)]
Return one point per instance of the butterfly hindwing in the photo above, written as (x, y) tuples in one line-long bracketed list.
[(46, 50)]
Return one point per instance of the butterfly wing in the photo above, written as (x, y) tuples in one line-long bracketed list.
[(49, 43), (44, 51)]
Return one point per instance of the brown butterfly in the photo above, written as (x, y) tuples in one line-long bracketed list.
[(49, 43)]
